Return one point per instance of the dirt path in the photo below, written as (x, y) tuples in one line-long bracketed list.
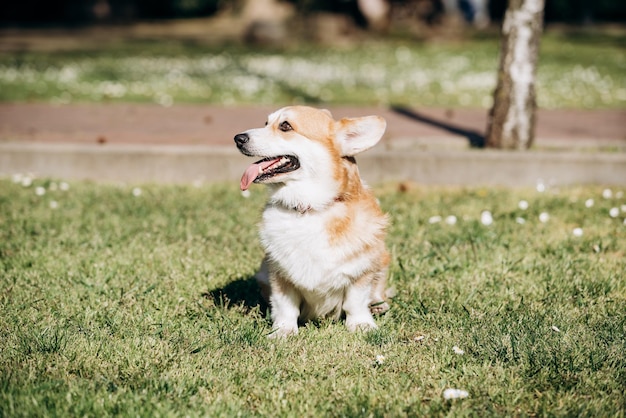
[(213, 125)]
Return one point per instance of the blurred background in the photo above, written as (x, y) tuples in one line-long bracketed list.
[(406, 12), (441, 53), (199, 71)]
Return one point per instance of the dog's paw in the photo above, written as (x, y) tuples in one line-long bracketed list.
[(361, 324), (379, 308), (282, 332)]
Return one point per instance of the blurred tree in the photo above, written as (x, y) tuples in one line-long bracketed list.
[(265, 21), (376, 12), (512, 118)]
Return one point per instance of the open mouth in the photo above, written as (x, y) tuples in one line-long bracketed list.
[(267, 168)]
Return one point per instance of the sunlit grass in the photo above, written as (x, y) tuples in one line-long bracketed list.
[(576, 72), (136, 300)]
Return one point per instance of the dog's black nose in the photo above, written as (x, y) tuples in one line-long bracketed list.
[(241, 139)]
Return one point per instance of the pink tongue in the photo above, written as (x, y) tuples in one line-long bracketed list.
[(252, 172)]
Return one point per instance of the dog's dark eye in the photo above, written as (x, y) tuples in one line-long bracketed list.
[(265, 123), (285, 126)]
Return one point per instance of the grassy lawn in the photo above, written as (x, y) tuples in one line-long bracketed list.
[(118, 300), (587, 71)]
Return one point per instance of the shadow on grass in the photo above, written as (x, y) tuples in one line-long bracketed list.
[(241, 292), (475, 138)]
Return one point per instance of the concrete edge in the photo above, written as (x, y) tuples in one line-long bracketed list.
[(185, 164), (455, 142)]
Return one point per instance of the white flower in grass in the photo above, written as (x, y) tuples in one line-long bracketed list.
[(589, 203), (457, 350), (623, 208), (434, 219), (64, 186), (614, 212), (544, 217), (486, 218), (607, 193), (520, 221), (541, 187), (451, 220), (419, 338), (40, 191), (380, 359), (54, 204), (523, 204), (452, 393), (27, 181), (578, 232), (17, 178), (245, 193), (555, 328), (137, 192)]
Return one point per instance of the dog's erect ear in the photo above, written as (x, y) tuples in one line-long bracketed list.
[(356, 135)]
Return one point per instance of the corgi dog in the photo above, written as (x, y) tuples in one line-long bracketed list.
[(322, 230)]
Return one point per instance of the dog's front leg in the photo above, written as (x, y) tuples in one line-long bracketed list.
[(356, 305), (285, 303)]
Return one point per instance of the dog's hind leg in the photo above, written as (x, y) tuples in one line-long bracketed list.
[(379, 304)]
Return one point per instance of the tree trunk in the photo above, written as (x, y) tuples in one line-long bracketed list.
[(376, 12), (512, 118)]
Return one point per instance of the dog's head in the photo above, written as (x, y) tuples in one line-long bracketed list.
[(305, 145)]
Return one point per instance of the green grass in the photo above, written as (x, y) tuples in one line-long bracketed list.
[(116, 304), (574, 72)]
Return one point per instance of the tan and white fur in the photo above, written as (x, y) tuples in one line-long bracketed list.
[(322, 229)]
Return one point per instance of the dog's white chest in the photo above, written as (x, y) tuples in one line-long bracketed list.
[(301, 245)]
